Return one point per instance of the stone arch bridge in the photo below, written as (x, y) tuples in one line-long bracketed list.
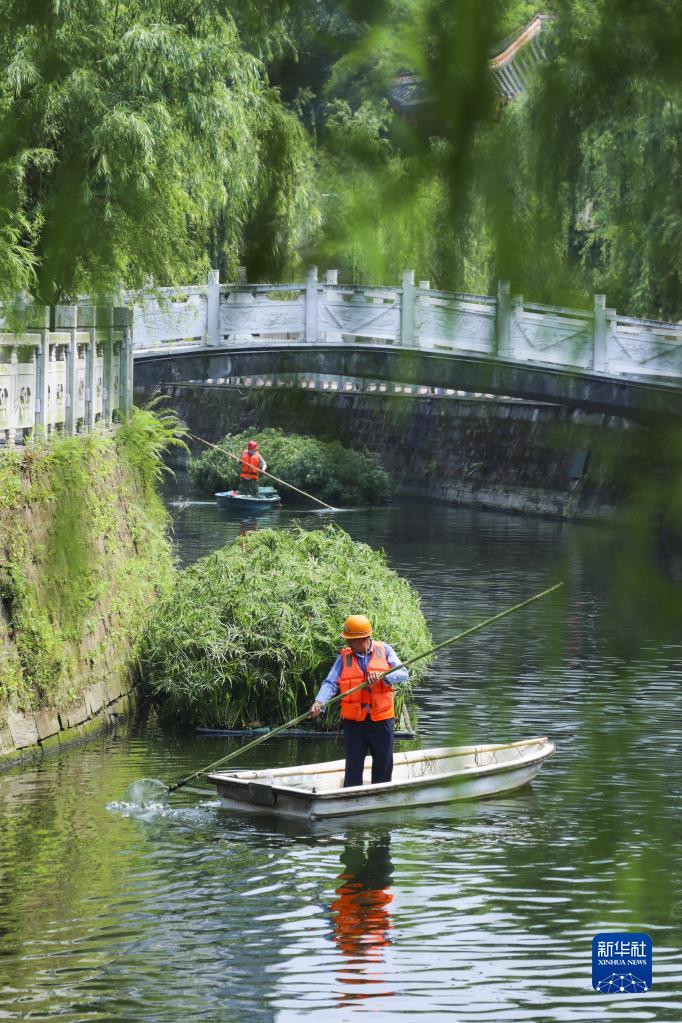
[(408, 337)]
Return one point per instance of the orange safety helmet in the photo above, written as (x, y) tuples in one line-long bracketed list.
[(252, 445), (357, 627)]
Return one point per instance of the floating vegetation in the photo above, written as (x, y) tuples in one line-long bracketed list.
[(250, 632), (324, 468)]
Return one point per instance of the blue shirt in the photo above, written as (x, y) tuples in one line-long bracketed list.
[(330, 686)]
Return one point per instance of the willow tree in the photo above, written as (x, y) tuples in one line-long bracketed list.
[(127, 133), (572, 187)]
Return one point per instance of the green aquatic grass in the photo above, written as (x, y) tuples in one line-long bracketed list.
[(250, 631), (323, 468)]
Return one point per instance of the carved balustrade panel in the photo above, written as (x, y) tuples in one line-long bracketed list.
[(25, 390), (638, 350), (370, 313), (5, 387), (169, 317), (116, 378), (57, 386), (552, 338), (98, 397), (444, 323), (80, 377), (249, 313)]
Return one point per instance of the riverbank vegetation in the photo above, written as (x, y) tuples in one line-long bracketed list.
[(323, 468), (249, 633), (158, 140), (84, 550)]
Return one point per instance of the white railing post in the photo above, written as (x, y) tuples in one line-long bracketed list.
[(34, 385), (407, 308), (503, 320), (125, 399), (66, 318), (107, 321), (12, 398), (87, 316), (213, 308), (52, 389), (311, 320), (40, 317), (599, 342)]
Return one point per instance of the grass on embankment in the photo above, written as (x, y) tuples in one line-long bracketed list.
[(84, 551), (323, 468), (249, 632)]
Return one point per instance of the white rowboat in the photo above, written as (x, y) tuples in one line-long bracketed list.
[(420, 778)]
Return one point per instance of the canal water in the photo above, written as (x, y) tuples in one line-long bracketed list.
[(481, 912)]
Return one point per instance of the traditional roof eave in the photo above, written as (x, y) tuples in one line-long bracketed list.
[(509, 68)]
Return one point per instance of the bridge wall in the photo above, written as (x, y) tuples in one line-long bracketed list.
[(644, 401), (518, 456)]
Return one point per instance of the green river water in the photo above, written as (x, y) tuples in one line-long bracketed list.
[(474, 913)]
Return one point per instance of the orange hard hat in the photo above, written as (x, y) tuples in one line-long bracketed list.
[(357, 627), (253, 444)]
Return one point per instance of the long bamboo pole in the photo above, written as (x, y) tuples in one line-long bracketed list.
[(284, 483), (336, 699)]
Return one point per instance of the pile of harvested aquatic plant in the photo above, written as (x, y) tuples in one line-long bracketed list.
[(250, 631)]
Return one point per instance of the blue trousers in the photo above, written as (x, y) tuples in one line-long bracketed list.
[(362, 737)]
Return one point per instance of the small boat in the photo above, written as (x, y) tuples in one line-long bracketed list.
[(420, 778), (267, 497)]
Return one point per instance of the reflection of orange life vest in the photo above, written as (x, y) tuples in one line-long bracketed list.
[(250, 465), (378, 700), (362, 921)]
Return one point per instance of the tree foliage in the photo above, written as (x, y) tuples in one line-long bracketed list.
[(571, 188), (162, 138), (132, 140)]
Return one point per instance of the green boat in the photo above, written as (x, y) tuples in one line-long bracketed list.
[(267, 497)]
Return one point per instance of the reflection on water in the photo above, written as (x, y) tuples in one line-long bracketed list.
[(480, 913), (362, 919)]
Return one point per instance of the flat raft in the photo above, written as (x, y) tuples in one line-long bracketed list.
[(420, 778)]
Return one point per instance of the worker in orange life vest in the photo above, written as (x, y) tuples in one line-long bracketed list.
[(367, 714), (252, 464)]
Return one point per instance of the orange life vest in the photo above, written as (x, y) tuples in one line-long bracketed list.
[(378, 700), (250, 464)]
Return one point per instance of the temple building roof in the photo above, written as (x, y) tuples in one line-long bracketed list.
[(509, 66)]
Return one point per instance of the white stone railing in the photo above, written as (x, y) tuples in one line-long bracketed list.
[(63, 369), (411, 316)]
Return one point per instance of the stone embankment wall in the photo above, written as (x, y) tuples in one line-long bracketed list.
[(518, 456), (29, 735), (83, 553)]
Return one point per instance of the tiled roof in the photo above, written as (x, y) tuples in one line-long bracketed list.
[(509, 67)]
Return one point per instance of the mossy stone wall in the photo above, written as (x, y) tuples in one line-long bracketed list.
[(83, 554)]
